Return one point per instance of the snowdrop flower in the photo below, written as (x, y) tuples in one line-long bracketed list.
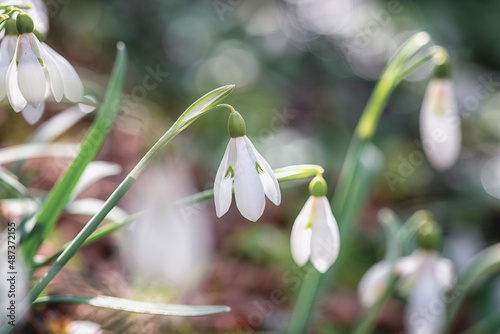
[(35, 72), (252, 176), (439, 120), (315, 234), (424, 278)]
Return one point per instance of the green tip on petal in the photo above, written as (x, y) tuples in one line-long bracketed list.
[(24, 24), (429, 233), (236, 125), (442, 63), (318, 187), (11, 28)]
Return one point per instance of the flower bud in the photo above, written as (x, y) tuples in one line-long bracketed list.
[(442, 64), (318, 187), (236, 125), (429, 233), (24, 24)]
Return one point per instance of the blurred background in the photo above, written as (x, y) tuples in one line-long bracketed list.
[(303, 71)]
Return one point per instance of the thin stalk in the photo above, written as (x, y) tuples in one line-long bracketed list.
[(343, 196)]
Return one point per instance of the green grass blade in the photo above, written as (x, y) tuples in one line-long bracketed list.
[(128, 305), (60, 194)]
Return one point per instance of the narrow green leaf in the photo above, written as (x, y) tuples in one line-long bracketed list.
[(201, 106), (60, 194), (128, 305), (483, 265)]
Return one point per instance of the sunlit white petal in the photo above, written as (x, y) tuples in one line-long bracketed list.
[(300, 238), (7, 50), (445, 273), (223, 187), (271, 186), (440, 124), (248, 189), (33, 115), (373, 283), (73, 87), (325, 240), (16, 99), (30, 74)]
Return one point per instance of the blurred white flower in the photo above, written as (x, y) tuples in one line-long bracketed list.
[(424, 277), (440, 124), (253, 180), (83, 327), (170, 244)]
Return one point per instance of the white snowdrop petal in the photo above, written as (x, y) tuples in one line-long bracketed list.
[(248, 189), (16, 99), (73, 87), (55, 77), (373, 283), (300, 238), (325, 239), (33, 115), (425, 310), (440, 124), (7, 50), (445, 273), (30, 74), (223, 186), (271, 186)]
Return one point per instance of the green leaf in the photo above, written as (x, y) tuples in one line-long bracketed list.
[(483, 265), (128, 305), (60, 194), (201, 107)]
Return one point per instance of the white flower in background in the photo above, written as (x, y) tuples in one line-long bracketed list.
[(424, 278), (252, 176), (36, 72), (169, 244), (440, 122), (315, 234), (83, 327)]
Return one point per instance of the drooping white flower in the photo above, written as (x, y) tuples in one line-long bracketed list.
[(315, 234), (424, 277), (440, 124), (37, 72), (252, 176)]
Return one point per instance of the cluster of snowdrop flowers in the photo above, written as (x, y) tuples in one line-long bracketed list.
[(315, 233), (424, 278), (439, 119), (252, 176), (31, 71)]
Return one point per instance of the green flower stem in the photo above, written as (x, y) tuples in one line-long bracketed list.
[(344, 205), (99, 234)]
